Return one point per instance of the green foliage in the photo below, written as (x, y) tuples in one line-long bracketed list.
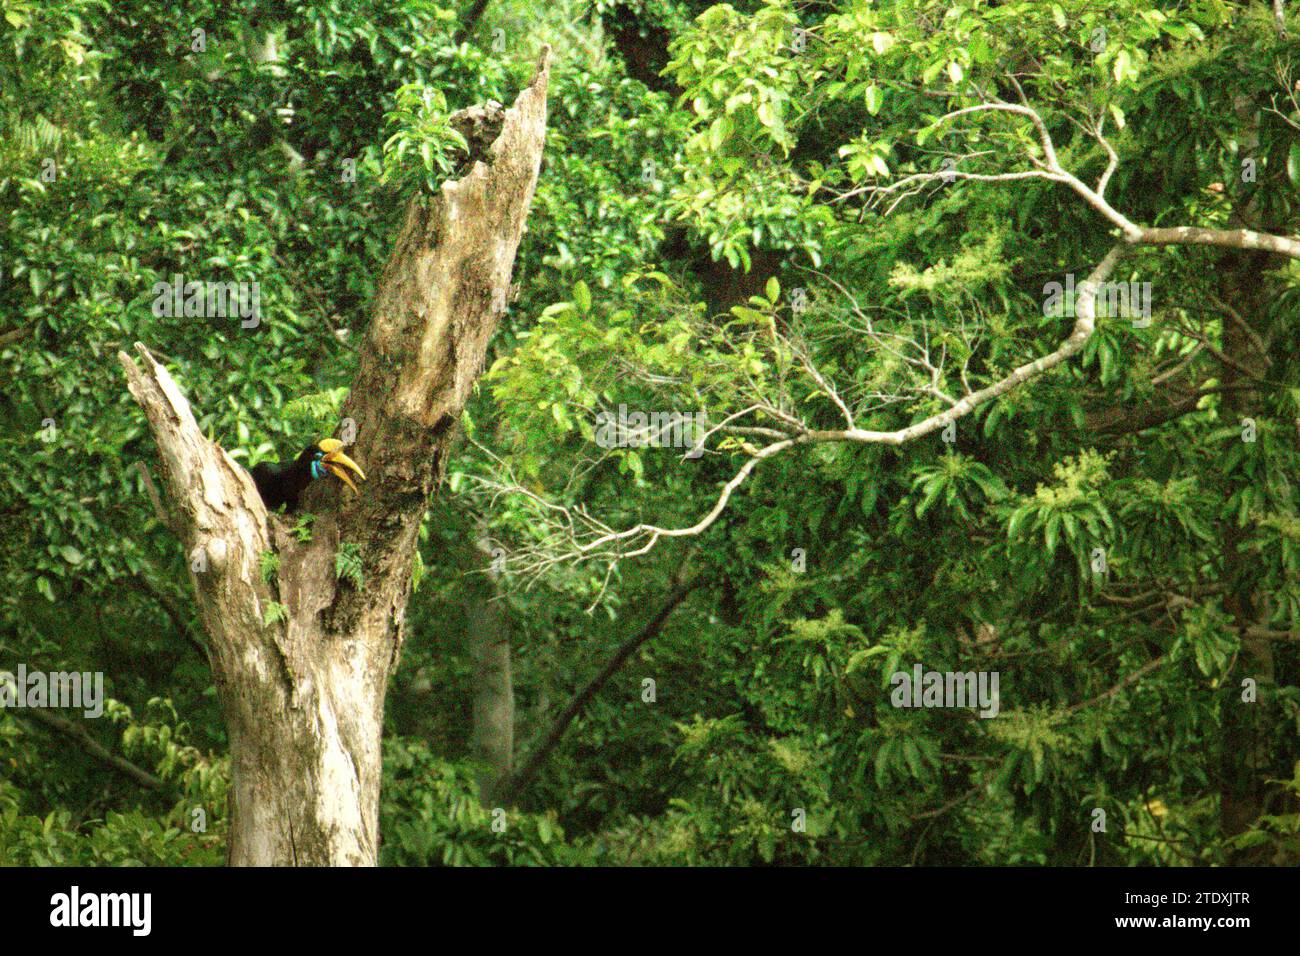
[(959, 483), (268, 565), (690, 251), (418, 571), (1278, 832), (314, 414), (302, 528), (119, 839), (431, 812), (423, 141), (1071, 511), (348, 564), (178, 836)]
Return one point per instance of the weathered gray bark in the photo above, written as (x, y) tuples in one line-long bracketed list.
[(303, 695), (492, 736)]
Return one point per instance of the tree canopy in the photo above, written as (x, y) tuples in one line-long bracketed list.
[(845, 338)]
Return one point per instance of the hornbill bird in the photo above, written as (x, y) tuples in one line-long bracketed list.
[(281, 483)]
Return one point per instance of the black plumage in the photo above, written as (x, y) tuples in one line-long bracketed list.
[(282, 482)]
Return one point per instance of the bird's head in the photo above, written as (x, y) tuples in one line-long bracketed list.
[(327, 458)]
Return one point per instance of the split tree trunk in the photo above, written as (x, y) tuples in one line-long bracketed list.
[(302, 691)]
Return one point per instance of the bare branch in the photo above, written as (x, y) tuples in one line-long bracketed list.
[(93, 747), (1051, 170), (587, 539)]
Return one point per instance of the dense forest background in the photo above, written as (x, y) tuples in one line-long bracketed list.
[(793, 217)]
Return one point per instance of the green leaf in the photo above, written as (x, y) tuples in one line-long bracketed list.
[(747, 313), (912, 754), (773, 289), (874, 98), (1051, 533), (1121, 66), (582, 297)]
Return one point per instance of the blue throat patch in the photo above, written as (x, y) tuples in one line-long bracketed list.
[(317, 470)]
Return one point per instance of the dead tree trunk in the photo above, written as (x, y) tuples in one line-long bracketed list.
[(302, 660)]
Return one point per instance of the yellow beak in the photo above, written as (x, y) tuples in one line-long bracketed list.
[(337, 463)]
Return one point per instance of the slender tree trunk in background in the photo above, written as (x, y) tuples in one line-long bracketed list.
[(1248, 728), (492, 737), (302, 658), (472, 17)]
